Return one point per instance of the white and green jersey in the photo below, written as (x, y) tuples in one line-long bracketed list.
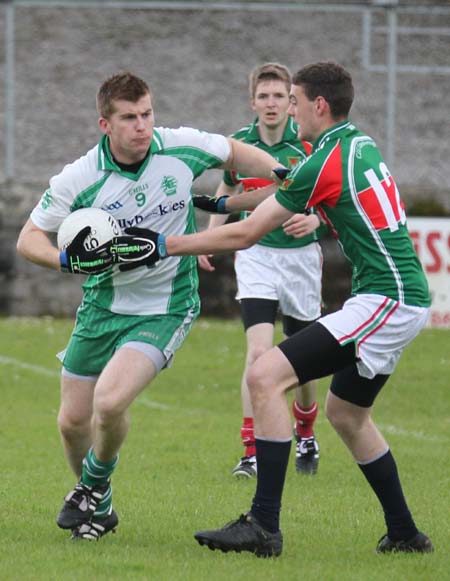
[(158, 197), (347, 181)]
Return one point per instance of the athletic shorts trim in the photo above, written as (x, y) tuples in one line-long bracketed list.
[(153, 353), (98, 333), (373, 323), (66, 373), (379, 327)]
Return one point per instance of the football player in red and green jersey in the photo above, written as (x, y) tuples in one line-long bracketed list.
[(280, 272), (359, 345)]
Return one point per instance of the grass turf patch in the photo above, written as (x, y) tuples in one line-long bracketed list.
[(174, 474)]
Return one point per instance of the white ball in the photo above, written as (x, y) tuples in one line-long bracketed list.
[(103, 227)]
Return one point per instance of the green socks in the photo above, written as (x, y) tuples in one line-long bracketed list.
[(98, 473)]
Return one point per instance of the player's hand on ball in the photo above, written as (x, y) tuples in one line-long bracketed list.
[(211, 205), (78, 259), (140, 247)]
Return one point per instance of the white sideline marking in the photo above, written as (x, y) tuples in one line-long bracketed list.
[(52, 373), (390, 429), (153, 404), (396, 431), (28, 366)]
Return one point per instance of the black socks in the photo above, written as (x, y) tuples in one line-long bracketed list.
[(272, 460), (383, 477)]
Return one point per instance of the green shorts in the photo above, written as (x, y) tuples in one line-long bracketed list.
[(98, 334)]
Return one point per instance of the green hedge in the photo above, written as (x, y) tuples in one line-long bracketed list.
[(427, 207)]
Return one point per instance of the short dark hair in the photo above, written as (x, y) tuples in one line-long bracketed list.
[(122, 86), (269, 72), (330, 81)]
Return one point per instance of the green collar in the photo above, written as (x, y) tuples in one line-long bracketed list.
[(332, 133), (289, 134), (107, 163)]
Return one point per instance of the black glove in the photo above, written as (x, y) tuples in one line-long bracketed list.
[(279, 174), (79, 260), (140, 247), (211, 205)]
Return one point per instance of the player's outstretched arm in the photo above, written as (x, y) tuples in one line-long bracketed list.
[(252, 161), (247, 160), (250, 200), (230, 237), (233, 204), (142, 247)]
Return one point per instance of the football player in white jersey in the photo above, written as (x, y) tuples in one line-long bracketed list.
[(131, 320)]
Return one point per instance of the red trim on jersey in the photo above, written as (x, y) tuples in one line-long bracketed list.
[(250, 184), (328, 186), (327, 221), (307, 147)]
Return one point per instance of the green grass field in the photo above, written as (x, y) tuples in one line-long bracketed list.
[(174, 471)]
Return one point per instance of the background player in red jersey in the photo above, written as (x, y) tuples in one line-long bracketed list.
[(280, 271), (348, 181)]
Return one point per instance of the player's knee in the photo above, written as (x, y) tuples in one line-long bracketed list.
[(71, 425), (107, 409), (343, 420), (254, 352), (258, 381)]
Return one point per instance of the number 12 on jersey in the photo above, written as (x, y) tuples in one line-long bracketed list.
[(381, 200)]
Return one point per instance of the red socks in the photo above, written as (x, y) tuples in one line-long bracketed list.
[(304, 423), (305, 418), (248, 437)]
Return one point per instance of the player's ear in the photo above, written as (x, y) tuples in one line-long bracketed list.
[(321, 105), (104, 125)]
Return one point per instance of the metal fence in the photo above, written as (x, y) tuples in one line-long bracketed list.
[(398, 53)]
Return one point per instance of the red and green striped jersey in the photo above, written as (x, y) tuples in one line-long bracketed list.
[(348, 182), (289, 151)]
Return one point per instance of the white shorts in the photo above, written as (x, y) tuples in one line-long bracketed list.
[(380, 327), (291, 276)]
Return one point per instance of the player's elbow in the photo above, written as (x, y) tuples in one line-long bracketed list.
[(20, 246), (24, 244), (24, 240), (248, 238), (252, 231)]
